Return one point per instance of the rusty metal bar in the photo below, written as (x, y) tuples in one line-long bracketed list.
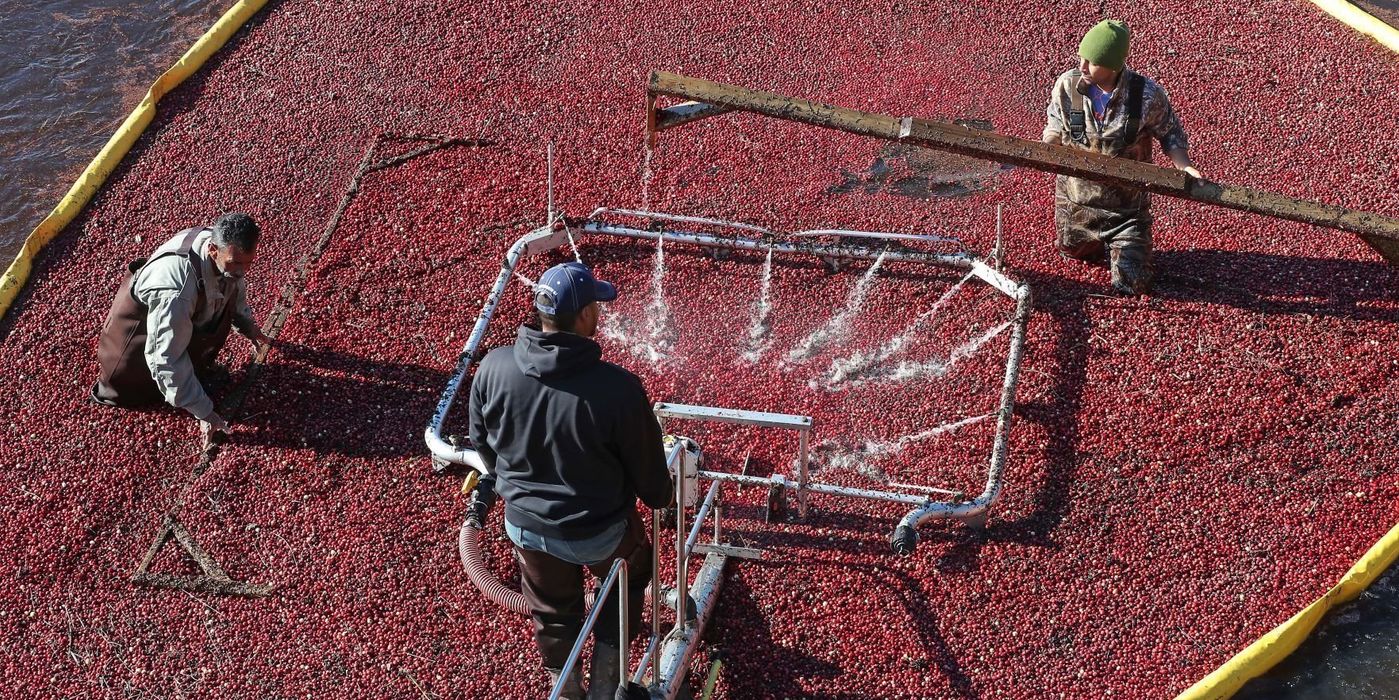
[(1381, 232)]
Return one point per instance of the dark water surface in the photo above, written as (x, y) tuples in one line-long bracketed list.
[(1353, 654), (70, 72), (1383, 10)]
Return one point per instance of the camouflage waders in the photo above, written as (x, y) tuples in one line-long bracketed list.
[(1096, 220)]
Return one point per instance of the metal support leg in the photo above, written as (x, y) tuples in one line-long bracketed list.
[(623, 638), (682, 573), (656, 595), (801, 475)]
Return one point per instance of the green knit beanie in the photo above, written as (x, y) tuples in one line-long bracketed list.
[(1106, 44)]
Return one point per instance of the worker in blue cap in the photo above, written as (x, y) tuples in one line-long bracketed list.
[(570, 443), (1104, 107)]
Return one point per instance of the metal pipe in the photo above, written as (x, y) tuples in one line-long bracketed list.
[(959, 260), (618, 567), (996, 279), (650, 660), (905, 535), (683, 218), (883, 235), (682, 573), (824, 489), (536, 241), (700, 515), (623, 593), (678, 649), (718, 516), (655, 599), (802, 473)]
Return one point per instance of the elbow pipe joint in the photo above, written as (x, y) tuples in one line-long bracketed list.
[(454, 452)]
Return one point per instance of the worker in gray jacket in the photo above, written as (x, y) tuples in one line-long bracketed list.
[(1104, 107), (171, 315)]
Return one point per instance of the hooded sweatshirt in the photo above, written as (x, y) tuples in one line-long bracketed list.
[(569, 439)]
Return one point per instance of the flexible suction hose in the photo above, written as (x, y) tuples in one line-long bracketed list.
[(469, 546), (472, 559)]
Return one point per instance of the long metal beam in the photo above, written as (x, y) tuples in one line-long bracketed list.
[(1381, 232)]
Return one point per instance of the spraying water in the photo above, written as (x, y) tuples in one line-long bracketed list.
[(859, 457), (571, 243), (758, 330), (527, 281), (646, 176), (838, 327), (907, 370), (854, 368), (652, 339)]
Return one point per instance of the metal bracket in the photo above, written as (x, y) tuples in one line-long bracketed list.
[(729, 550), (777, 499), (660, 119)]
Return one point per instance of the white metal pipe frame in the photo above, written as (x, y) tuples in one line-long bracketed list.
[(667, 656)]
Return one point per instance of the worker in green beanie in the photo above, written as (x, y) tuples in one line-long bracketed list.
[(1105, 107)]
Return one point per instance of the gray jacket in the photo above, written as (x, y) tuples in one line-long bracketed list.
[(169, 289)]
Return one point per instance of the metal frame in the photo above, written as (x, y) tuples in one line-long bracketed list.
[(616, 579), (667, 657), (452, 450)]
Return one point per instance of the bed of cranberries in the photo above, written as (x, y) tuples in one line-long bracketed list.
[(1186, 470)]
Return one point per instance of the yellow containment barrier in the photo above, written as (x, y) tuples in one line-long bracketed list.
[(111, 154), (1361, 21), (1273, 647)]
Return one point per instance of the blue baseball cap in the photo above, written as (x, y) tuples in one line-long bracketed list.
[(567, 288)]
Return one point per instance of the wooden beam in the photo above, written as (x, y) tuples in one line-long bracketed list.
[(1381, 232)]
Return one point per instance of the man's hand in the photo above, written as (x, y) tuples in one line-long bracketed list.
[(262, 343), (1192, 172), (213, 424)]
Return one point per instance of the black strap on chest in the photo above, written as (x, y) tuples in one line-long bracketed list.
[(1135, 88), (1078, 116), (1078, 125)]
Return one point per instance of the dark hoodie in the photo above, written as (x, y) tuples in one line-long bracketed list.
[(570, 439)]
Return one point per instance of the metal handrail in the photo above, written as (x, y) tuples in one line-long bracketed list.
[(616, 578)]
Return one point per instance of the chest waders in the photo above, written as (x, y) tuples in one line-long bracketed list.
[(1095, 219), (124, 378)]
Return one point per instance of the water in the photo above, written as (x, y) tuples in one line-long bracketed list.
[(856, 367), (568, 231), (1384, 10), (838, 327), (651, 338), (861, 458), (70, 72), (760, 327), (1350, 655)]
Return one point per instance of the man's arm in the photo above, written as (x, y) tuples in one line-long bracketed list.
[(639, 442), (168, 330), (477, 430), (1054, 118), (1166, 126)]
